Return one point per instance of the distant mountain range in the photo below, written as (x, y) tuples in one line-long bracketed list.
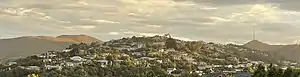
[(288, 52), (29, 45)]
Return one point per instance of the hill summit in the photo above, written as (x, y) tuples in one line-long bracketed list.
[(258, 45)]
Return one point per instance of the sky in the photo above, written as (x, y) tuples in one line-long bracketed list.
[(221, 21)]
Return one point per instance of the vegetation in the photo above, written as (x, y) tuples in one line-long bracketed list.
[(272, 71)]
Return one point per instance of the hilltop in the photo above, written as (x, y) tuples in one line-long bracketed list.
[(287, 52), (29, 45)]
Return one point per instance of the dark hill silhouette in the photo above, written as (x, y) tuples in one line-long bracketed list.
[(29, 45), (288, 52)]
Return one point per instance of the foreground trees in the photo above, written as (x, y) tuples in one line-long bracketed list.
[(272, 71)]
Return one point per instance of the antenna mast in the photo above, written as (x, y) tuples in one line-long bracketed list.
[(253, 35)]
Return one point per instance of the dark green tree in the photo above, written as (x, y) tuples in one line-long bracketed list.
[(260, 72), (288, 72)]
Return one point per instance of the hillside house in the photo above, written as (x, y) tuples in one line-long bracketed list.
[(11, 63), (47, 60), (77, 58), (33, 68), (49, 67), (103, 63), (170, 70), (69, 64), (171, 50), (67, 50)]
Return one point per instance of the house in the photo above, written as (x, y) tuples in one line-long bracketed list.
[(42, 56), (77, 58), (70, 64), (91, 56), (202, 63), (49, 67), (170, 70), (170, 50), (51, 55), (159, 43), (33, 68), (11, 63), (159, 61), (105, 54), (67, 50), (161, 50), (137, 54), (147, 58), (229, 71), (103, 63), (123, 54), (189, 59), (118, 61), (229, 66), (140, 45), (47, 60)]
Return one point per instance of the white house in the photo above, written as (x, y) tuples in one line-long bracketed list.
[(171, 50), (11, 63), (102, 62), (33, 68), (70, 64), (67, 50), (77, 58), (147, 58), (52, 55), (161, 50), (159, 61), (41, 56), (170, 70), (47, 60), (159, 43), (136, 53), (48, 67)]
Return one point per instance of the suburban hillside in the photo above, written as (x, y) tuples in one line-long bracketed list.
[(157, 56)]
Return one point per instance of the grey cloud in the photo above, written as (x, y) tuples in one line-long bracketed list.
[(186, 18)]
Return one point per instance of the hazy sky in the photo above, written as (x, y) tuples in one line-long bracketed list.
[(276, 21)]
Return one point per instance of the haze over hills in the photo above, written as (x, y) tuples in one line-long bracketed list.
[(29, 45), (289, 52)]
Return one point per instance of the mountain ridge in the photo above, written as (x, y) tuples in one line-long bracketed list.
[(289, 52), (15, 47)]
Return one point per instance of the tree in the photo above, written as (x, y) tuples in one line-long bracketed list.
[(288, 72), (272, 71), (260, 72), (171, 43), (279, 73), (80, 73)]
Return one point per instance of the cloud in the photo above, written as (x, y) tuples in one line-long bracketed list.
[(210, 20), (107, 21), (79, 27), (153, 26), (102, 21), (113, 33)]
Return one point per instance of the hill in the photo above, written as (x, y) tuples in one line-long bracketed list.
[(156, 56), (29, 45), (287, 52)]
